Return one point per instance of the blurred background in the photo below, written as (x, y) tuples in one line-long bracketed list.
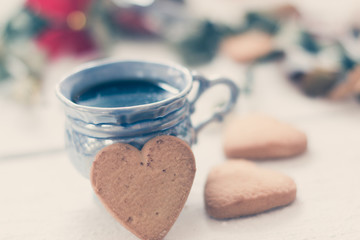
[(313, 45), (297, 60)]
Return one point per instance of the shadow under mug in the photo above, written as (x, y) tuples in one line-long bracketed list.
[(89, 129)]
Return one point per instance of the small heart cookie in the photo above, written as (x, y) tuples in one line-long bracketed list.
[(349, 87), (239, 188), (247, 46), (257, 136), (145, 190)]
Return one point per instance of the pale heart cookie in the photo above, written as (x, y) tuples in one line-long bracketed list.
[(261, 137), (145, 191), (247, 46), (239, 188), (349, 87)]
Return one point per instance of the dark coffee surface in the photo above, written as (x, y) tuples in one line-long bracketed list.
[(124, 93)]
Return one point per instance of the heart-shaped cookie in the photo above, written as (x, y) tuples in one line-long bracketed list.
[(247, 46), (145, 190), (239, 188), (257, 136)]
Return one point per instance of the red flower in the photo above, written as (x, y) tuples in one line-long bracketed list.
[(66, 31), (58, 42), (57, 9)]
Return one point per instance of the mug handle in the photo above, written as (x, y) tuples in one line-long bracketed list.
[(205, 84)]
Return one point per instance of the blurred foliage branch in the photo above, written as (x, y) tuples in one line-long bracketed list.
[(44, 30)]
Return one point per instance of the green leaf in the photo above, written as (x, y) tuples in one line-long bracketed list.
[(272, 56), (262, 22), (309, 43), (202, 46), (25, 24), (4, 73)]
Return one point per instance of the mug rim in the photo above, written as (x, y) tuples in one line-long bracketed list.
[(103, 62)]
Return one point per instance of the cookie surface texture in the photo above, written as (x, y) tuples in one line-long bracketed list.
[(145, 190), (240, 188), (256, 136)]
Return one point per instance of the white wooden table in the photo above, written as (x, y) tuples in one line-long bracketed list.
[(43, 197)]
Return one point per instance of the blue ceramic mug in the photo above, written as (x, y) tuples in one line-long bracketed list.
[(89, 128)]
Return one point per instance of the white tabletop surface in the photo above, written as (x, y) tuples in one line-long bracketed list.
[(43, 197)]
